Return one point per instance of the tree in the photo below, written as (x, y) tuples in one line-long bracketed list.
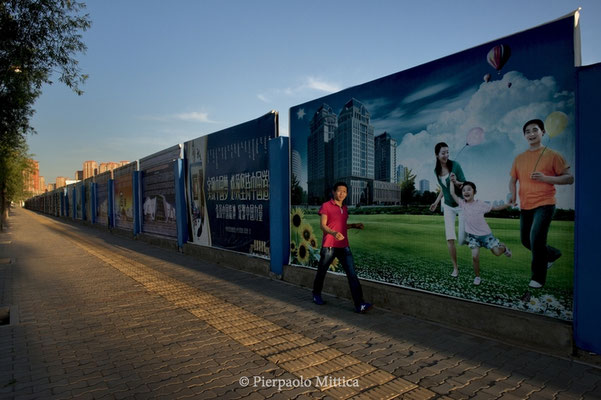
[(407, 187), (14, 165), (38, 40), (297, 192)]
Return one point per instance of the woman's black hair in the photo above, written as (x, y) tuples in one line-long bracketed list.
[(438, 168)]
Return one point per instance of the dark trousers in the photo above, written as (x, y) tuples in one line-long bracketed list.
[(345, 257), (534, 227)]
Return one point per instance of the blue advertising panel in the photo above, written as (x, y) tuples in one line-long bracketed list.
[(587, 301), (158, 192), (227, 186), (400, 143)]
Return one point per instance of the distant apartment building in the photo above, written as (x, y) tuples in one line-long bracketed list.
[(32, 178), (109, 166), (50, 187), (78, 175), (320, 159), (61, 181), (122, 163), (90, 168), (42, 185), (385, 158), (424, 185)]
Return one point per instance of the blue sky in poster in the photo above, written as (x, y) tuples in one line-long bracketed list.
[(163, 72), (444, 99)]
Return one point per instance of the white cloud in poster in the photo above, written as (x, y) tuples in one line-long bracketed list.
[(426, 92), (500, 110)]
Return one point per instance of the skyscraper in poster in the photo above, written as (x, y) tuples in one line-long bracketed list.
[(385, 158), (319, 153), (354, 151)]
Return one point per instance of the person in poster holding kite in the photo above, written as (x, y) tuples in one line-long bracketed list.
[(538, 170), (449, 173)]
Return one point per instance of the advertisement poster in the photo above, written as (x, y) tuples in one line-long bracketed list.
[(102, 185), (78, 200), (68, 201), (158, 192), (381, 138), (123, 195), (195, 153), (227, 185), (88, 189)]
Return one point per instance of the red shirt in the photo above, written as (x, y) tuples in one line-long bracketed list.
[(337, 217)]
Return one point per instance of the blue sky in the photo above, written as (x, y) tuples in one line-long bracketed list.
[(162, 73)]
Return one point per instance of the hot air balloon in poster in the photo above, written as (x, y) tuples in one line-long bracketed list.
[(498, 56)]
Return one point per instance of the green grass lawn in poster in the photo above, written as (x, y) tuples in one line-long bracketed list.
[(411, 251)]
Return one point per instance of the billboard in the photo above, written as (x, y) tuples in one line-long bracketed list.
[(158, 192), (102, 191), (123, 196), (88, 201), (381, 138), (78, 200), (227, 186)]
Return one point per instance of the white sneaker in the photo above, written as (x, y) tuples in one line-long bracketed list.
[(477, 280), (454, 273), (535, 284), (508, 252)]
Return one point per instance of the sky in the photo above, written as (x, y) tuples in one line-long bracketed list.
[(163, 73)]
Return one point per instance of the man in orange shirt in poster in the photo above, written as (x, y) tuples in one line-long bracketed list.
[(538, 170)]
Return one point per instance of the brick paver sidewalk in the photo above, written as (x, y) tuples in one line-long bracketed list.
[(102, 316)]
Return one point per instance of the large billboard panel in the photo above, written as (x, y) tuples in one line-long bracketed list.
[(102, 191), (124, 196), (381, 138), (227, 186), (78, 200), (158, 192), (87, 183)]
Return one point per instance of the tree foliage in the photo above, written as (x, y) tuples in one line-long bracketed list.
[(39, 40), (407, 187)]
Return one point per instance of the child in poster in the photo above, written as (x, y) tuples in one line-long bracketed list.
[(477, 230)]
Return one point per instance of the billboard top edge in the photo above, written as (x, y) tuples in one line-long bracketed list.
[(174, 148), (271, 112), (577, 55)]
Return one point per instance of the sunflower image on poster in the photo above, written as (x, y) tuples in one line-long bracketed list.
[(304, 245)]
